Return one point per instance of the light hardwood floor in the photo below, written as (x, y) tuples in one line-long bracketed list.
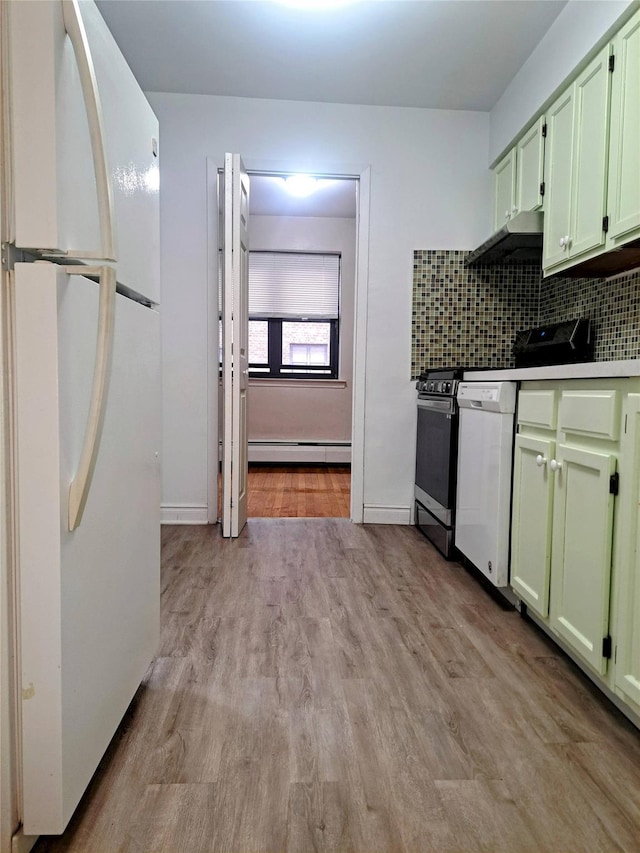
[(299, 491), (322, 686)]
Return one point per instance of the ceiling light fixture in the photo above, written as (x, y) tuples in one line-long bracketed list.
[(315, 4), (301, 186)]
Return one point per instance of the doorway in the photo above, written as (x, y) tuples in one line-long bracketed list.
[(302, 288)]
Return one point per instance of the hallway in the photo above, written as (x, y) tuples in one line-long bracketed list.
[(326, 686)]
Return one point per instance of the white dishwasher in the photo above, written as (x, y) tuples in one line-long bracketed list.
[(483, 500)]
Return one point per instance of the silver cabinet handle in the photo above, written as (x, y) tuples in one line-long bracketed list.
[(75, 28), (81, 483)]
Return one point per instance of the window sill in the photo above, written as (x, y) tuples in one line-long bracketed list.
[(297, 383)]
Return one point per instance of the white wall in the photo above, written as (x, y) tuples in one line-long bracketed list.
[(576, 30), (291, 410), (429, 189)]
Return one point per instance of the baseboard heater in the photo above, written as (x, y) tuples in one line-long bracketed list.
[(303, 452)]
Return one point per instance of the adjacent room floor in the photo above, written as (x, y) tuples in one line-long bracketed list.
[(326, 686), (299, 491)]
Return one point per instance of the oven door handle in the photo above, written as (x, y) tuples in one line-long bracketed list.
[(444, 406)]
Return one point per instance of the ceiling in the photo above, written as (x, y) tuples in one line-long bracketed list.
[(442, 54)]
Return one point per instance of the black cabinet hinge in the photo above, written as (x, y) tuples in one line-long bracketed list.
[(544, 130), (605, 224), (606, 647), (612, 62), (542, 188), (614, 483)]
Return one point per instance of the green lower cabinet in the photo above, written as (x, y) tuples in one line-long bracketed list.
[(627, 671), (531, 521), (582, 551), (567, 451)]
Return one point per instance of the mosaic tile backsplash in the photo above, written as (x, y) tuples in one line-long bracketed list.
[(613, 305), (466, 316), (470, 317)]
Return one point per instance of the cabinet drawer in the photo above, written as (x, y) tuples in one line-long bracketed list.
[(538, 408), (595, 413)]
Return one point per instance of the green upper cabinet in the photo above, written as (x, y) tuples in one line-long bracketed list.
[(577, 147), (588, 201), (519, 175), (504, 176), (560, 121), (530, 167), (624, 142)]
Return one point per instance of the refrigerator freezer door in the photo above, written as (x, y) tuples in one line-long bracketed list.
[(89, 599), (54, 184)]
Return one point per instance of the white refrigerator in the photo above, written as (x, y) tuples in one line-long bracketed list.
[(81, 281)]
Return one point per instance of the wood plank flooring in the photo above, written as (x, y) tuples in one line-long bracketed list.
[(300, 491), (322, 686)]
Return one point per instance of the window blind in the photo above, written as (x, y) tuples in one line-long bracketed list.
[(292, 285)]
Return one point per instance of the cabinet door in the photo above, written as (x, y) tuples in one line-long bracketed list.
[(627, 677), (530, 160), (589, 178), (581, 558), (505, 190), (559, 159), (531, 522), (624, 143)]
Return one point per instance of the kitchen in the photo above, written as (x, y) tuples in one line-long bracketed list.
[(446, 209)]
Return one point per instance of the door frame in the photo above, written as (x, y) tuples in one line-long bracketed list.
[(363, 192)]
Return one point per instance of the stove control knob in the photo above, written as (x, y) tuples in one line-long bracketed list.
[(446, 387)]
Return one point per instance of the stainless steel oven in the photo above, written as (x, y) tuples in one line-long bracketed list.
[(436, 457)]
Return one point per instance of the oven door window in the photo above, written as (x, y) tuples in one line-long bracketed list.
[(435, 455)]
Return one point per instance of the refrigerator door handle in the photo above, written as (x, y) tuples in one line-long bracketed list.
[(75, 28), (81, 483)]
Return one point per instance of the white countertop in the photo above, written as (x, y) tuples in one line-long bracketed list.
[(587, 370)]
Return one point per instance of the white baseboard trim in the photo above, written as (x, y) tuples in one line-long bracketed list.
[(386, 514), (184, 514), (21, 843), (301, 453)]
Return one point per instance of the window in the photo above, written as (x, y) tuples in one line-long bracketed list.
[(293, 315)]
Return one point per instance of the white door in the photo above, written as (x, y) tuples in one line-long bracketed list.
[(235, 342), (88, 598)]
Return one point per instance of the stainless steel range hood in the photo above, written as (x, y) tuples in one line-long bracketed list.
[(520, 239)]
